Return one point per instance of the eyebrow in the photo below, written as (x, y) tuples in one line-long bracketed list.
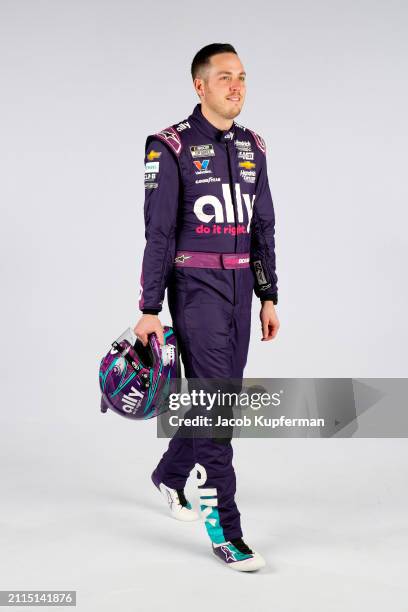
[(228, 72)]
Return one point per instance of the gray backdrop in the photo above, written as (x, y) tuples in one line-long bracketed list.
[(82, 84)]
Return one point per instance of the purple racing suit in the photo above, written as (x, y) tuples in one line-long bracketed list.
[(207, 191)]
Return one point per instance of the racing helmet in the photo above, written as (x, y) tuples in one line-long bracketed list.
[(136, 380)]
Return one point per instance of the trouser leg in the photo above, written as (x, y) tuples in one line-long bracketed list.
[(176, 463), (213, 335)]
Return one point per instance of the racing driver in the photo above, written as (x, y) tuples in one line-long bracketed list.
[(210, 226)]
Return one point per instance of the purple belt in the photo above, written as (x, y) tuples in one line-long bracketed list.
[(223, 261)]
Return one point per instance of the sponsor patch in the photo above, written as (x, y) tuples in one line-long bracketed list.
[(259, 272), (201, 165), (182, 258), (249, 155), (151, 185), (243, 145), (170, 136), (209, 179), (206, 150), (248, 165), (182, 126), (152, 166), (248, 176), (152, 155)]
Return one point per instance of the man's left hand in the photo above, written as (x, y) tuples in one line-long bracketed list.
[(269, 321)]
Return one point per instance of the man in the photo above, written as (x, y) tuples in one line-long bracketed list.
[(210, 239)]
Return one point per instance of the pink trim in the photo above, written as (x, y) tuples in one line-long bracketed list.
[(218, 261)]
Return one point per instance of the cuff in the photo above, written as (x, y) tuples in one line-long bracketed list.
[(273, 297), (152, 311)]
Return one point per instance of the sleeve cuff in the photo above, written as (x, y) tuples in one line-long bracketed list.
[(270, 298), (152, 311)]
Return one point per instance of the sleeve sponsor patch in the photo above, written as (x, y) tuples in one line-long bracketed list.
[(152, 166), (171, 137), (259, 272)]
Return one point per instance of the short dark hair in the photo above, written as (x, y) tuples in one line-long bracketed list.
[(203, 56)]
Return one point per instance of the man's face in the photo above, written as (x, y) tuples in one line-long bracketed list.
[(223, 87)]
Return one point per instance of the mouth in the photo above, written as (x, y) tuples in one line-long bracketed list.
[(234, 98)]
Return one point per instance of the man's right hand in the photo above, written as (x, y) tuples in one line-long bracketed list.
[(146, 325)]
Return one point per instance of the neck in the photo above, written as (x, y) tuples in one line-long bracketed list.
[(215, 119)]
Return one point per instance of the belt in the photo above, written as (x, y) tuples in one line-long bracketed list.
[(223, 261)]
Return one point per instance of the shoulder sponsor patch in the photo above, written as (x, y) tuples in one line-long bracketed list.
[(170, 136)]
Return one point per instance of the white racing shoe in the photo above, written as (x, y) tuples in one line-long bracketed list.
[(180, 508), (238, 556)]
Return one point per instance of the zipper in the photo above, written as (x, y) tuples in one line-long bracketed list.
[(232, 190), (234, 203)]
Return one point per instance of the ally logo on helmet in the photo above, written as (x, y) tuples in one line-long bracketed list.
[(136, 380)]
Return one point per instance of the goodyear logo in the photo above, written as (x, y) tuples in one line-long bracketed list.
[(247, 165)]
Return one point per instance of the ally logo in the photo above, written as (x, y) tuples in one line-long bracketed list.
[(208, 507), (132, 400), (218, 207)]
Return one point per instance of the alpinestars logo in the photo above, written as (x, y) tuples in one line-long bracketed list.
[(182, 258), (229, 555)]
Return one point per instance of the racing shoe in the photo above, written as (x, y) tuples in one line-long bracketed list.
[(180, 508), (238, 556)]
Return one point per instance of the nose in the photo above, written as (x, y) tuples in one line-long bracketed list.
[(235, 85)]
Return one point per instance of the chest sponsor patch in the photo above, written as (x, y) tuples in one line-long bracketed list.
[(249, 155), (249, 176), (248, 165), (202, 166), (205, 150), (243, 145)]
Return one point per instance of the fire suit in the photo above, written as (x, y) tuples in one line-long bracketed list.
[(207, 191)]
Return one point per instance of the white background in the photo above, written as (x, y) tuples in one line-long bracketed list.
[(82, 84)]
